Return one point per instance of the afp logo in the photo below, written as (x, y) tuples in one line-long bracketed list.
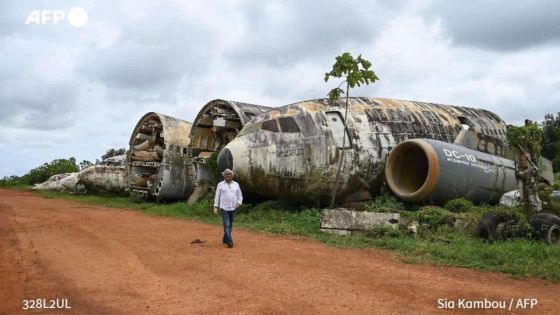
[(76, 17)]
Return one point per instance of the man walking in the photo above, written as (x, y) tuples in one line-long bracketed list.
[(228, 199)]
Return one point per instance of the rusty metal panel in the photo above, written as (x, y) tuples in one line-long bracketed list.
[(242, 112)]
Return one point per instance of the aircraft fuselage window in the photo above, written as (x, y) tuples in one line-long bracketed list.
[(249, 129), (270, 125), (288, 124)]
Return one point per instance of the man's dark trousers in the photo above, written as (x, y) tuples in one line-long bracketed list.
[(227, 218)]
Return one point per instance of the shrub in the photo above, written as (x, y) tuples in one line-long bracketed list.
[(11, 181), (385, 203), (550, 205), (459, 205), (43, 172), (519, 213), (434, 216)]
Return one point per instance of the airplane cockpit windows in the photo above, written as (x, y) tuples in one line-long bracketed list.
[(249, 128), (270, 125), (282, 124), (288, 124)]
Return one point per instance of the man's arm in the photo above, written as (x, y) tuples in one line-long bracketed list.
[(239, 196), (217, 199)]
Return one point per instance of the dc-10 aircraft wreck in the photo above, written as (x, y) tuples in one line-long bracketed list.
[(427, 153)]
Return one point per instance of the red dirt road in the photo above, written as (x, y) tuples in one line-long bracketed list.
[(118, 261)]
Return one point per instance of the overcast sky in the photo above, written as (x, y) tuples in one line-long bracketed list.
[(78, 91)]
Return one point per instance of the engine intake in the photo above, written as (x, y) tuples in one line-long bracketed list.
[(431, 171)]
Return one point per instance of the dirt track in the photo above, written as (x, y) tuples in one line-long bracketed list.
[(117, 261)]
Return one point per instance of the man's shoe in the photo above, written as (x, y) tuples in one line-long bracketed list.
[(229, 245)]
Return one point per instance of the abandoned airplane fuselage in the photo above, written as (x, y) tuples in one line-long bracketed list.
[(293, 152), (107, 176), (217, 123), (157, 161)]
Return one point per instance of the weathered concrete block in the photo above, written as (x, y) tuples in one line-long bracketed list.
[(337, 232), (344, 219)]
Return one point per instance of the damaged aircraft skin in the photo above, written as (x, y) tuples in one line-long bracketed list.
[(107, 176), (293, 152), (54, 182), (69, 183), (217, 123), (157, 162)]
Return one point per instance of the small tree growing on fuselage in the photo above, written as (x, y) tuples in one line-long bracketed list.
[(355, 71)]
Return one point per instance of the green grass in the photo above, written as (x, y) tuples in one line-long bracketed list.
[(441, 246), (19, 187)]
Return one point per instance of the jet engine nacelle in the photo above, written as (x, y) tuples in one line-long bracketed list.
[(431, 171)]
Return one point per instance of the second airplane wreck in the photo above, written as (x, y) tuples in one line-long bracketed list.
[(293, 152), (169, 157), (217, 123)]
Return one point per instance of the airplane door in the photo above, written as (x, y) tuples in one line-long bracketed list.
[(334, 120)]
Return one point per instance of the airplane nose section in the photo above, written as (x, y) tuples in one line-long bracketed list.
[(225, 160)]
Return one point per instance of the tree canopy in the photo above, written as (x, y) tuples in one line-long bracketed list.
[(551, 139), (527, 138)]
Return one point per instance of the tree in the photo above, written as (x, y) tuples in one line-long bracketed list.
[(113, 152), (526, 138), (526, 143), (43, 172), (551, 139), (85, 164), (355, 73)]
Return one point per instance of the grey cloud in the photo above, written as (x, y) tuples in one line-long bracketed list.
[(152, 55), (133, 65), (500, 25), (31, 99), (306, 30), (288, 46), (11, 17), (38, 105)]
